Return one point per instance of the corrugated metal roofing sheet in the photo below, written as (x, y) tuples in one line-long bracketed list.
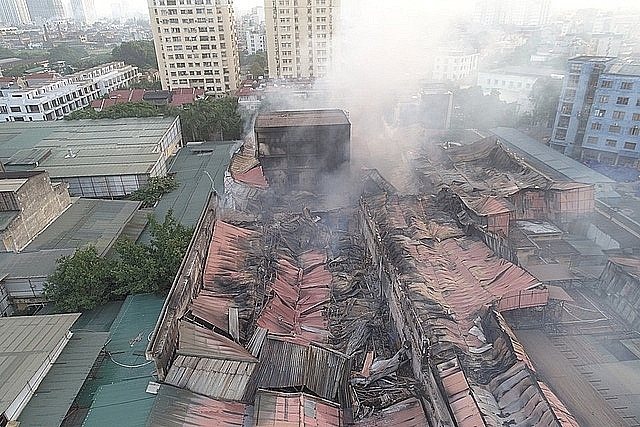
[(408, 413), (541, 156), (124, 404), (197, 341), (284, 365), (86, 222), (117, 393), (56, 393), (213, 377), (176, 407), (273, 409), (27, 344), (254, 177)]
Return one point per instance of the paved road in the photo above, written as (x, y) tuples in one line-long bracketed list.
[(574, 390)]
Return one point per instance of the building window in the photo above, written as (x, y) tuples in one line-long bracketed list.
[(611, 142), (596, 126), (622, 100), (569, 94), (636, 117), (572, 82), (603, 99), (629, 145), (561, 134), (614, 128), (635, 131), (618, 115), (563, 122), (608, 84), (566, 108), (575, 68), (592, 140), (600, 112), (626, 85)]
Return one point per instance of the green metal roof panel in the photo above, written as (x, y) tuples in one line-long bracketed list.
[(106, 135), (190, 165), (26, 343), (124, 404), (85, 222), (119, 386), (26, 265), (56, 393), (98, 319)]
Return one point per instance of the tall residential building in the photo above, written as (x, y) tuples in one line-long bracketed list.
[(14, 12), (196, 44), (45, 10), (83, 11), (519, 13), (599, 112), (300, 37)]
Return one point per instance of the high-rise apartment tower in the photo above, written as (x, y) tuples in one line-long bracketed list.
[(196, 44), (301, 37)]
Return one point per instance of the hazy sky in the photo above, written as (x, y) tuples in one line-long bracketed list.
[(104, 6)]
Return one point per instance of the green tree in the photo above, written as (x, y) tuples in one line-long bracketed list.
[(156, 187), (80, 282), (211, 119), (72, 55), (85, 280), (140, 53), (169, 243), (136, 270)]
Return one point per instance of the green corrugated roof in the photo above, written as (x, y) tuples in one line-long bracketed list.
[(119, 385), (87, 221), (56, 393), (189, 165), (98, 319), (128, 143), (124, 404)]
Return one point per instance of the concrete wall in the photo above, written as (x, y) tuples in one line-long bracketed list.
[(186, 286), (40, 202)]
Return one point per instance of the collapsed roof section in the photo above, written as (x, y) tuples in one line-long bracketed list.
[(446, 294)]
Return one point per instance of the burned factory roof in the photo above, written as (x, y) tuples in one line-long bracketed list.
[(310, 323)]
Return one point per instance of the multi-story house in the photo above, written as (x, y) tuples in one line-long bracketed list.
[(301, 37), (455, 65), (196, 44), (599, 111), (515, 84), (51, 97)]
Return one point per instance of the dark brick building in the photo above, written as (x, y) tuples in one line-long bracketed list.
[(298, 149)]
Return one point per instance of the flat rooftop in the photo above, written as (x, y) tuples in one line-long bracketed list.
[(84, 147), (302, 118), (26, 345), (546, 160)]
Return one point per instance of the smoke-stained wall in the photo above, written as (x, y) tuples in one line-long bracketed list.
[(298, 148)]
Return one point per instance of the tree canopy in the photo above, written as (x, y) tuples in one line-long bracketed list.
[(140, 53), (85, 280), (211, 119), (122, 110)]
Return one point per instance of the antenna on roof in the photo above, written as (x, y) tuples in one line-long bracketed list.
[(70, 154)]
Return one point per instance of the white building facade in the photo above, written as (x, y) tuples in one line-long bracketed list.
[(54, 98)]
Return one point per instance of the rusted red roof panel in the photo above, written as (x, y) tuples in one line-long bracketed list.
[(254, 177), (407, 413)]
